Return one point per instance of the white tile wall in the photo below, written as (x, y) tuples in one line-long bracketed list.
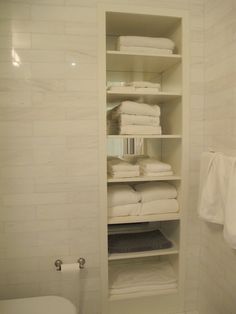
[(218, 261), (49, 145)]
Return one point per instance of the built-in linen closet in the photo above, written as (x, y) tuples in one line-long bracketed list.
[(119, 70)]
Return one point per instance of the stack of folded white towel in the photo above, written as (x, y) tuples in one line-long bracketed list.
[(157, 198), (123, 200), (142, 275), (120, 168), (151, 45), (143, 199), (135, 118), (135, 86), (152, 167)]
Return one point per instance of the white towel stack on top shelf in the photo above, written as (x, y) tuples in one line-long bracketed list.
[(120, 168), (152, 167), (123, 200), (142, 275), (157, 198), (134, 118), (140, 44)]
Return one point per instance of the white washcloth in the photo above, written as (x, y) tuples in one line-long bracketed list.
[(121, 194), (153, 165), (144, 84), (124, 174), (230, 204), (132, 119), (156, 174), (125, 275), (141, 41), (213, 184), (159, 207), (118, 164), (145, 50), (140, 130), (152, 191), (124, 210), (132, 107)]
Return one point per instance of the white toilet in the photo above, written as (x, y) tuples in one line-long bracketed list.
[(38, 305)]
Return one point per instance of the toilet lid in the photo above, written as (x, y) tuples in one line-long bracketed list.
[(38, 305)]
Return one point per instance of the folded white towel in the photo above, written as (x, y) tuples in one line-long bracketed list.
[(144, 84), (140, 129), (124, 174), (132, 107), (143, 288), (121, 194), (156, 174), (141, 41), (152, 164), (124, 210), (122, 89), (159, 207), (152, 191), (213, 185), (132, 119), (145, 50), (143, 273), (118, 164)]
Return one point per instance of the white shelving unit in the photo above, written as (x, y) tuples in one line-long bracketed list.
[(171, 147)]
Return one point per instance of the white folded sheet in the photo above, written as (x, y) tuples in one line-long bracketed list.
[(124, 174), (122, 89), (140, 129), (141, 41), (145, 50), (143, 288), (152, 191), (145, 274), (121, 194), (144, 84), (159, 207), (132, 107), (132, 119), (124, 210), (118, 164), (153, 165), (156, 174)]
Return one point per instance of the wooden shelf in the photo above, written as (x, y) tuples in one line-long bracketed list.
[(120, 256), (139, 62), (147, 96), (163, 136), (141, 179), (142, 218), (145, 293)]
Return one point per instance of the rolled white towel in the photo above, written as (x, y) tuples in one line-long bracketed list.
[(152, 191), (141, 41), (132, 119), (159, 207), (145, 50), (121, 194), (132, 107), (124, 210), (140, 129)]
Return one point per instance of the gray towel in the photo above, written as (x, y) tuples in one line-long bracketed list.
[(137, 242)]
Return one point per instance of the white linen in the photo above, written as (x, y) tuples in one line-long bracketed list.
[(152, 191), (132, 119), (122, 89), (144, 84), (213, 182), (140, 129), (121, 194), (118, 164), (124, 210), (156, 174), (159, 207), (152, 164), (132, 107), (145, 274), (143, 288), (141, 41), (124, 174), (145, 50)]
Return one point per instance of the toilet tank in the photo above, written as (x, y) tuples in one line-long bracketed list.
[(38, 305)]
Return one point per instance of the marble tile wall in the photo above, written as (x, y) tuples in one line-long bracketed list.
[(217, 261), (49, 145)]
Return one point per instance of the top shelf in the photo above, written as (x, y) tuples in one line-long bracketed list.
[(139, 62)]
